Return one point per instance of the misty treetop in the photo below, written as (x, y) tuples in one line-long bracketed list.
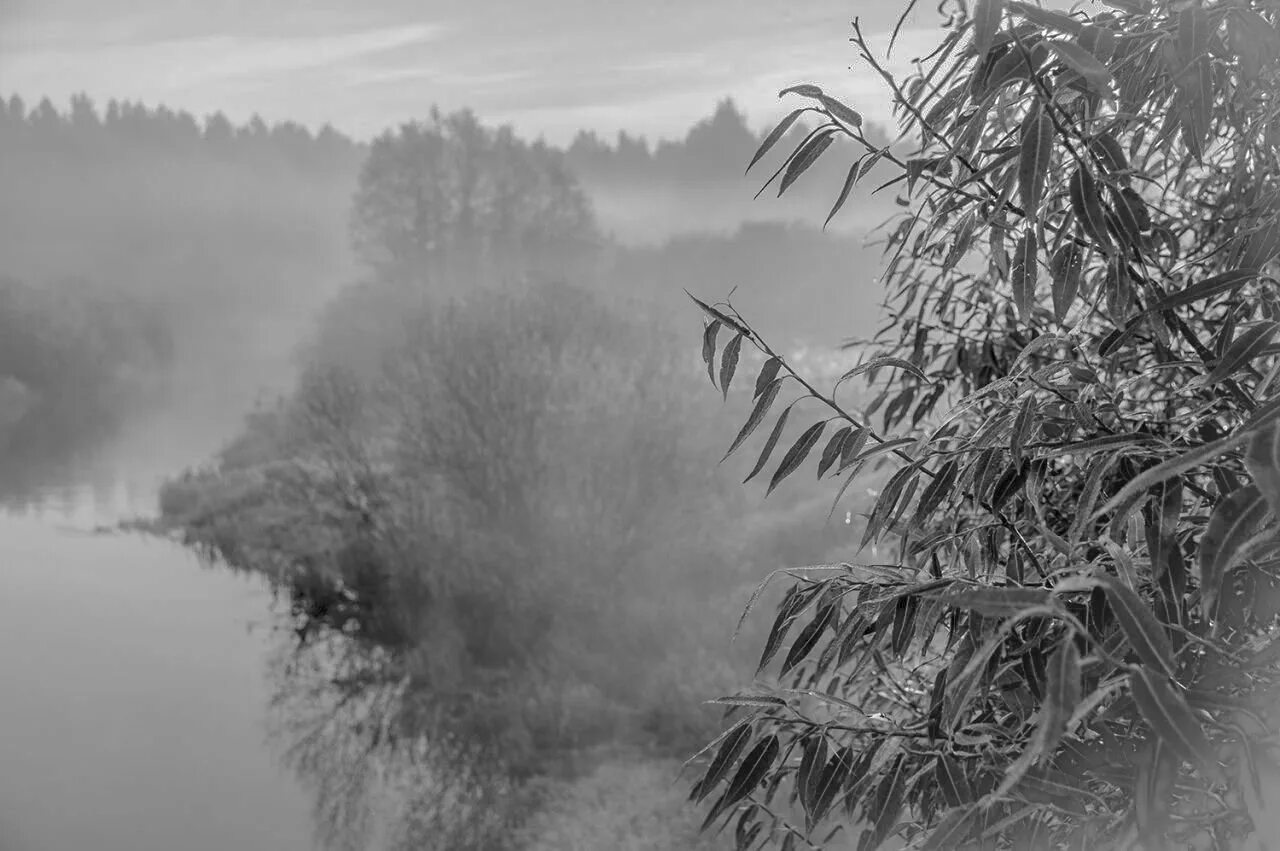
[(150, 128), (432, 192), (1060, 627)]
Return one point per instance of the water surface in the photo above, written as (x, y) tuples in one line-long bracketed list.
[(134, 697)]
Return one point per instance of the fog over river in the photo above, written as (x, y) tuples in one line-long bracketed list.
[(135, 688)]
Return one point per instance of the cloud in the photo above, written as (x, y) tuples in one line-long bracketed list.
[(157, 69), (550, 68)]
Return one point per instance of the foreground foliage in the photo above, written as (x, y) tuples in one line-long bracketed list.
[(1064, 636)]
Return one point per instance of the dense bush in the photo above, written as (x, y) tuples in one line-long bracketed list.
[(1067, 637), (515, 518)]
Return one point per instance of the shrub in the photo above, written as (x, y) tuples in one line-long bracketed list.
[(1066, 636)]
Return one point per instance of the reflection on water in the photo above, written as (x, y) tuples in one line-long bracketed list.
[(134, 700)]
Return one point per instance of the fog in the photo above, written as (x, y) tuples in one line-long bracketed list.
[(428, 408)]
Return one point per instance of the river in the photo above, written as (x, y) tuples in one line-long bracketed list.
[(134, 700)]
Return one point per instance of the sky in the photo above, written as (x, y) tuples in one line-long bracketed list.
[(549, 67)]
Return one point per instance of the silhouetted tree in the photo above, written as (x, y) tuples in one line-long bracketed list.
[(444, 194)]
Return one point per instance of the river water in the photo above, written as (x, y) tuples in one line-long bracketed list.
[(133, 685)]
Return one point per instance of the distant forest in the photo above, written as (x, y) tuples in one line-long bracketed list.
[(234, 236)]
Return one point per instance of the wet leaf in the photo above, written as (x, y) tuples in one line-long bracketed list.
[(952, 782), (886, 807), (1233, 522), (1170, 718), (1175, 466), (768, 373), (790, 607), (1087, 207), (986, 21), (840, 111), (1047, 18), (774, 135), (884, 362), (757, 415), (830, 782), (1024, 274), (1062, 689), (1226, 282), (1140, 627), (963, 240), (769, 444), (1036, 150), (812, 761), (806, 157), (755, 765), (1110, 153), (729, 363), (1066, 267), (1262, 459), (938, 489), (804, 89), (1084, 63), (1247, 347), (730, 749), (850, 179), (833, 449), (808, 637), (951, 830), (1000, 602), (796, 454), (709, 348)]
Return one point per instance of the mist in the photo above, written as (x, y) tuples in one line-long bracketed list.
[(436, 394)]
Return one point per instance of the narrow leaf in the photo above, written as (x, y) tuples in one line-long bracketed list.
[(951, 831), (1062, 691), (1179, 464), (1024, 274), (986, 21), (999, 602), (796, 454), (882, 362), (1087, 207), (952, 782), (840, 111), (1262, 459), (1233, 522), (729, 363), (939, 489), (850, 179), (1172, 719), (709, 348), (886, 807), (1047, 18), (774, 135), (830, 781), (1226, 282), (1140, 627), (804, 89), (769, 444), (755, 765), (833, 449), (730, 749), (805, 158), (768, 373), (1084, 63), (1036, 149), (1110, 153), (1066, 267), (1247, 347), (758, 413)]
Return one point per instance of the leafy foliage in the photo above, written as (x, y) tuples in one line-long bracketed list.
[(1064, 631)]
